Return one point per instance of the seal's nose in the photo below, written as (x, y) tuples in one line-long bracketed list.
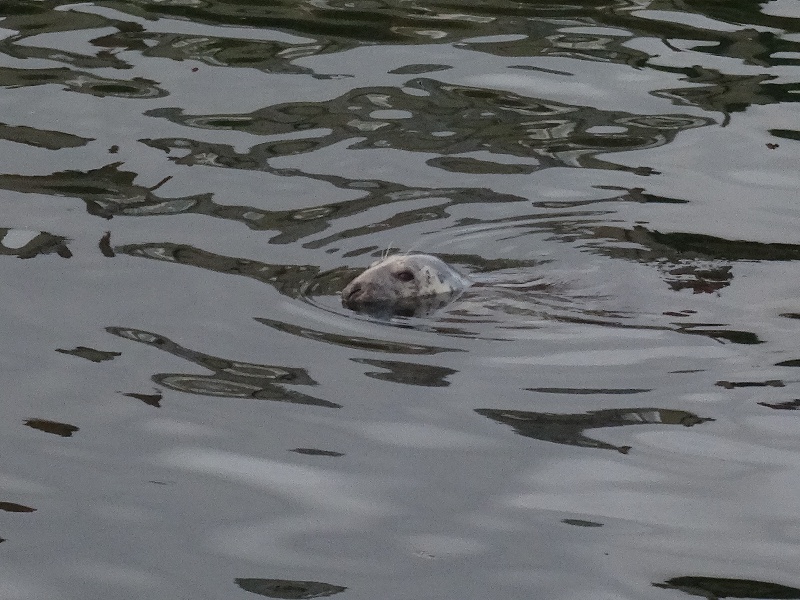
[(351, 293)]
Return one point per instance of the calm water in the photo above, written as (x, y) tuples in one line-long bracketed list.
[(612, 413)]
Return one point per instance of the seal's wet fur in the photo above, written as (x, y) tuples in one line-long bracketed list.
[(404, 285)]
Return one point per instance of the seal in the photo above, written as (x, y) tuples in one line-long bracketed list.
[(404, 285)]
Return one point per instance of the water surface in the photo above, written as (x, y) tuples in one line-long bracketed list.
[(191, 413)]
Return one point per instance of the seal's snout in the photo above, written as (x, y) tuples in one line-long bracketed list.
[(352, 293)]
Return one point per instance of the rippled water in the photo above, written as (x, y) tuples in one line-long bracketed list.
[(610, 412)]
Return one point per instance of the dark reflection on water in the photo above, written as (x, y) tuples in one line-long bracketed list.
[(745, 13), (27, 244), (334, 28), (292, 280), (788, 134), (728, 93), (90, 353), (569, 429), (107, 191), (83, 82), (230, 379), (110, 191), (105, 245), (716, 588), (268, 56), (476, 119), (588, 391), (636, 194), (51, 140), (349, 341), (721, 335), (698, 262), (581, 523), (149, 399), (54, 427), (788, 405), (317, 452), (355, 23), (710, 247), (729, 385), (409, 373), (14, 507), (349, 24), (284, 588)]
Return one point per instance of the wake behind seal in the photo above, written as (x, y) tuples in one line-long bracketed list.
[(404, 285)]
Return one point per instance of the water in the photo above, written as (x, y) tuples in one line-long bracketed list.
[(191, 413)]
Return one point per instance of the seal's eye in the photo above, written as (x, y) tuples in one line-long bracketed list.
[(404, 275)]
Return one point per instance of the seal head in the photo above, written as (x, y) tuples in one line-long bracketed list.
[(404, 285)]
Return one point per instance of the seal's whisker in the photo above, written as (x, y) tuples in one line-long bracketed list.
[(386, 252)]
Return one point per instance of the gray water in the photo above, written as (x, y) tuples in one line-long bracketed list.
[(189, 412)]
